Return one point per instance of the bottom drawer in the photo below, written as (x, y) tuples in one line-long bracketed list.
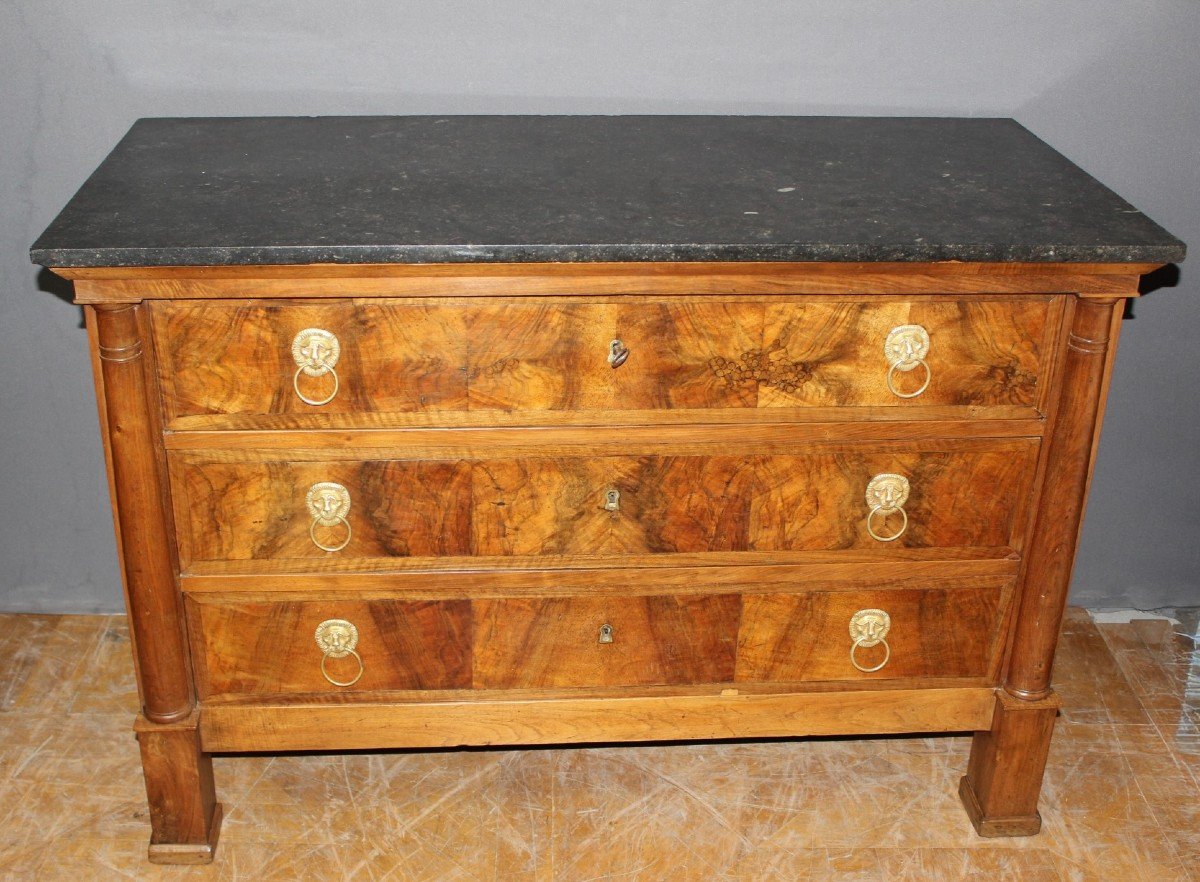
[(951, 631), (821, 632), (265, 647), (605, 641), (502, 643)]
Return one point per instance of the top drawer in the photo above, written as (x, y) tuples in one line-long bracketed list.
[(545, 360)]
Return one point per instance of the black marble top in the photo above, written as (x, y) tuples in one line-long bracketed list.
[(428, 189)]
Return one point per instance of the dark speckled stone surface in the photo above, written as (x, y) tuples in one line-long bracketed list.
[(578, 188)]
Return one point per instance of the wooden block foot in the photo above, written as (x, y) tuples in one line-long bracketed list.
[(185, 817), (188, 852), (1004, 776), (991, 828)]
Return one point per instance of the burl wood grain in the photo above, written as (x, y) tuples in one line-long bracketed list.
[(964, 494), (554, 641), (247, 647), (949, 631), (237, 357), (828, 352), (548, 355)]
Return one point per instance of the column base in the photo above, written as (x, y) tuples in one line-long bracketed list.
[(188, 852), (994, 828)]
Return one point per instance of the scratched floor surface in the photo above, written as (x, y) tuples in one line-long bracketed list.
[(1121, 802)]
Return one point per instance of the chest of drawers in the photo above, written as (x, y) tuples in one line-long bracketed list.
[(434, 432)]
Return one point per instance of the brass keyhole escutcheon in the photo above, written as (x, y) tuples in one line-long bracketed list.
[(618, 353), (315, 352), (606, 633), (612, 499), (337, 638), (869, 627)]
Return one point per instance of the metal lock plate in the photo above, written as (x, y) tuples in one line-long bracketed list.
[(606, 633), (612, 499)]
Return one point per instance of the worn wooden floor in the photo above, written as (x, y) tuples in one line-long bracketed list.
[(1122, 797)]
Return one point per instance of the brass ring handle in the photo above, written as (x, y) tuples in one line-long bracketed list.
[(329, 505), (869, 627), (618, 354), (886, 494), (316, 402), (315, 352), (898, 533), (906, 349), (886, 658), (312, 534), (361, 669), (337, 638), (920, 362)]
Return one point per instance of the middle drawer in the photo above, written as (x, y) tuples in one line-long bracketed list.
[(343, 507)]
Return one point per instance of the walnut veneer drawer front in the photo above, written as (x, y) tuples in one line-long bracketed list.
[(951, 631), (607, 641), (417, 360), (554, 642), (246, 647), (821, 496)]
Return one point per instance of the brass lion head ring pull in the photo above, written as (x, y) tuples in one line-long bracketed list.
[(337, 638), (328, 504), (886, 494), (315, 352), (906, 349), (618, 354), (869, 627)]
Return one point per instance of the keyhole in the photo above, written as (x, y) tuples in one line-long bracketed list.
[(612, 499), (606, 633)]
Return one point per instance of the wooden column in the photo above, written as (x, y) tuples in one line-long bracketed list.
[(1004, 776), (1051, 554), (184, 814)]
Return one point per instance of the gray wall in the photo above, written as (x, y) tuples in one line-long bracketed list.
[(1112, 84)]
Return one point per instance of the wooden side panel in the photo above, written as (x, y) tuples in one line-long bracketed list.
[(248, 647), (935, 633), (962, 495), (549, 356), (555, 641)]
